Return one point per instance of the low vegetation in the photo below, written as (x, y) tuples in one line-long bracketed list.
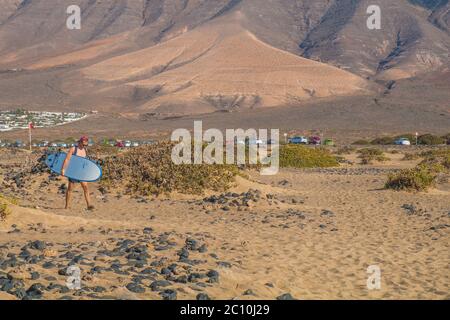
[(437, 157), (361, 142), (430, 140), (408, 156), (345, 150), (419, 178), (149, 170), (424, 175), (369, 155), (5, 210), (296, 156), (425, 139)]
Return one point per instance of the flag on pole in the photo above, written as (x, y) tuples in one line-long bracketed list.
[(31, 125)]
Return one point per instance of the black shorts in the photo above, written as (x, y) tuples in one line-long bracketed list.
[(74, 181)]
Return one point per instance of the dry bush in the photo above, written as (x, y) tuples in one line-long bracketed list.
[(424, 176), (295, 156), (149, 170), (368, 155), (5, 211)]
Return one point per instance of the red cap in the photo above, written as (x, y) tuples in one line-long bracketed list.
[(83, 138)]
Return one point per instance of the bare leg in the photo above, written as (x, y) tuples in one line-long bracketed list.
[(69, 194), (86, 195)]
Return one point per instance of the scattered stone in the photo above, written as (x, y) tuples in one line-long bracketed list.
[(286, 296), (224, 264), (169, 294), (249, 292), (203, 296), (155, 285), (213, 276), (327, 213), (35, 291), (191, 244), (38, 245), (48, 265), (35, 275), (136, 288)]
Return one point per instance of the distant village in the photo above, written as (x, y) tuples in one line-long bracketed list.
[(20, 119)]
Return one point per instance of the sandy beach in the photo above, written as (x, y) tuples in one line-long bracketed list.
[(310, 233)]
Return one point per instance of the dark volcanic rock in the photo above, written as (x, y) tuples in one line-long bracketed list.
[(286, 296), (203, 296), (155, 285), (48, 265), (35, 275), (169, 294), (35, 291), (38, 245), (191, 244), (213, 276)]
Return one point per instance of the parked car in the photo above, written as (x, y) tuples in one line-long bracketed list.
[(402, 142), (135, 144), (298, 140), (19, 144), (120, 144), (329, 142), (315, 140), (256, 142), (127, 144)]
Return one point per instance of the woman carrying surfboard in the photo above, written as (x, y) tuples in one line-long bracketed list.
[(80, 151)]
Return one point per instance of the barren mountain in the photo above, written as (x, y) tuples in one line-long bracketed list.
[(194, 56)]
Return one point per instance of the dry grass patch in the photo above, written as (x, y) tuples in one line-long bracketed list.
[(149, 170), (369, 155), (295, 156)]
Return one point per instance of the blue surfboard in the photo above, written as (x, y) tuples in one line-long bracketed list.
[(81, 169)]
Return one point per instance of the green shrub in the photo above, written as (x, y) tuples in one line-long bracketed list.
[(345, 150), (446, 138), (424, 175), (368, 155), (149, 170), (410, 156), (383, 141), (419, 178), (99, 150), (295, 156), (4, 211), (437, 157), (4, 208), (361, 142), (429, 140)]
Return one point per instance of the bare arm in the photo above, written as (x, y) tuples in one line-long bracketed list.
[(67, 160)]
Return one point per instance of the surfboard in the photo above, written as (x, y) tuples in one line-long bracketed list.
[(81, 169)]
